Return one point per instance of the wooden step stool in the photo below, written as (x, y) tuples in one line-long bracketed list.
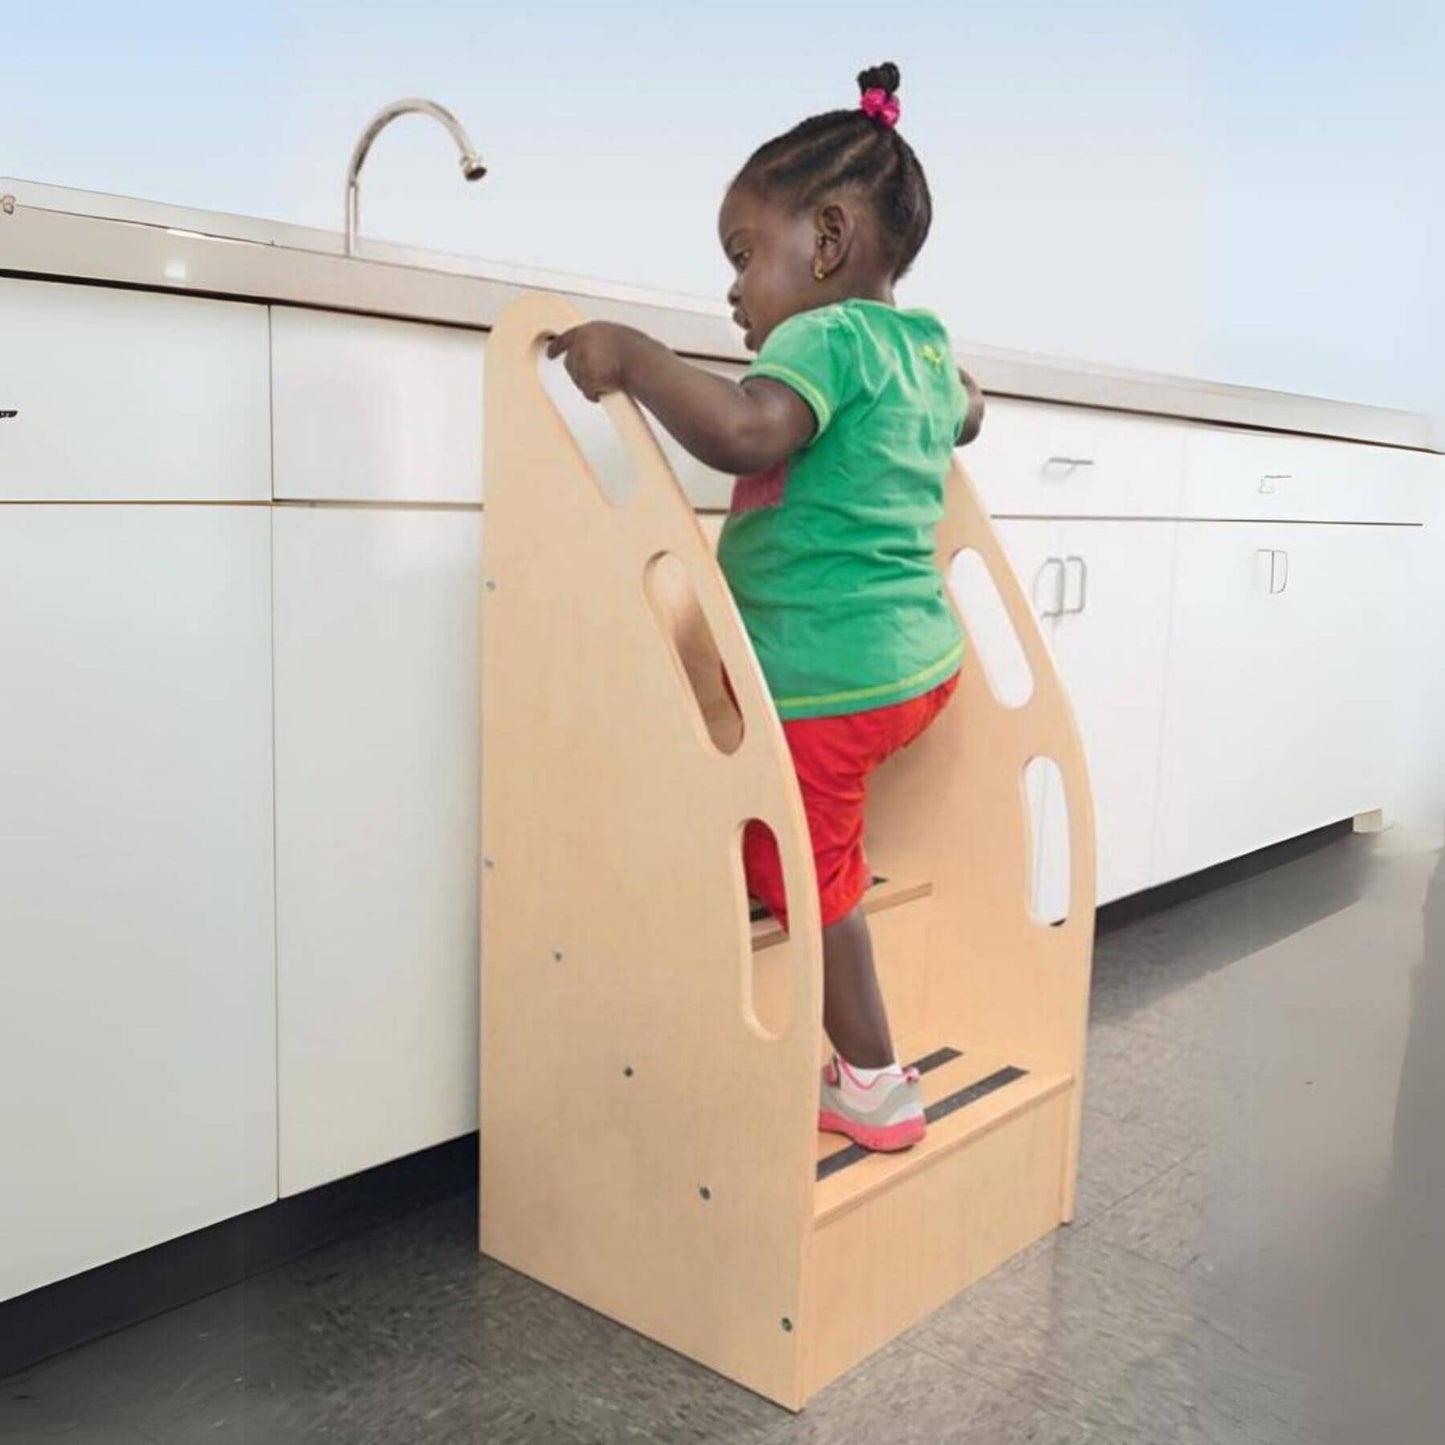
[(650, 1055)]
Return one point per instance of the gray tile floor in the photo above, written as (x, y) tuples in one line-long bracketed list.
[(1259, 1255)]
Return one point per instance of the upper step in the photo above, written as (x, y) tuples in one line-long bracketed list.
[(885, 893)]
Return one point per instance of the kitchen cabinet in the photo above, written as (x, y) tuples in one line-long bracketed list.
[(137, 966), (1102, 591), (1037, 459), (376, 834), (1284, 675), (1111, 638), (1233, 475), (120, 396), (368, 409)]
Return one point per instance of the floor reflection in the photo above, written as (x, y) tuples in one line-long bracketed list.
[(1382, 1332)]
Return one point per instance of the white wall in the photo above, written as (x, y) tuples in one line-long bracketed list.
[(1244, 191)]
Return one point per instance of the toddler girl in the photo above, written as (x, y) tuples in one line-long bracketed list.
[(841, 434)]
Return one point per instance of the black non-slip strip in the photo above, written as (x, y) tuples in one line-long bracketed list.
[(954, 1102), (936, 1060), (836, 1163)]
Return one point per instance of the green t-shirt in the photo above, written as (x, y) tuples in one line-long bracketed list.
[(831, 554)]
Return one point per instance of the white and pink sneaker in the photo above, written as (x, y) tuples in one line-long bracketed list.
[(879, 1109)]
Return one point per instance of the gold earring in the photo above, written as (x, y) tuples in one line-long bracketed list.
[(819, 274)]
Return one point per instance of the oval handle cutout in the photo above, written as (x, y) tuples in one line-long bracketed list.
[(1049, 855), (990, 632), (767, 987), (685, 628), (593, 432)]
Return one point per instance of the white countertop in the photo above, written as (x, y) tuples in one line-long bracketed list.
[(62, 234)]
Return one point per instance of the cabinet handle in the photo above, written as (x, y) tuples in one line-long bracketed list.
[(1268, 480), (1069, 462), (1274, 554), (1057, 610), (1270, 553), (1083, 584)]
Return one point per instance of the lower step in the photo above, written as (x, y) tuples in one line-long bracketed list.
[(895, 1237), (966, 1093)]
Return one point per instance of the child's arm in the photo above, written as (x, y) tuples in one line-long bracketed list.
[(973, 420), (734, 427)]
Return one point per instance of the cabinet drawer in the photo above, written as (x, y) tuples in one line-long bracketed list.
[(1035, 459), (375, 410), (129, 396), (1245, 476)]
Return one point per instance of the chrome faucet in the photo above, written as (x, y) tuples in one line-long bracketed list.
[(472, 167)]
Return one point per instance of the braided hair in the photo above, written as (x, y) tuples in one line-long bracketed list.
[(856, 149)]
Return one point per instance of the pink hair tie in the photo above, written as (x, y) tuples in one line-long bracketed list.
[(881, 106)]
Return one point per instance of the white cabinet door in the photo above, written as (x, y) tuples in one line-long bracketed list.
[(377, 734), (137, 969), (1280, 684), (1034, 548), (1102, 590), (1111, 645), (130, 396), (373, 410)]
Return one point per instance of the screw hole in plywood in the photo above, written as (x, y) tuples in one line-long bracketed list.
[(991, 634)]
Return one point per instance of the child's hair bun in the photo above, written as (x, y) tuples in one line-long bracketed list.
[(883, 77)]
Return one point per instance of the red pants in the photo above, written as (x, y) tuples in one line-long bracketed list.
[(834, 757)]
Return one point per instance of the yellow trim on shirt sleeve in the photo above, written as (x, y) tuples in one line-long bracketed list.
[(799, 383)]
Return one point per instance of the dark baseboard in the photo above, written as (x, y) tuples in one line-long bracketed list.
[(112, 1296), (59, 1316), (1235, 870)]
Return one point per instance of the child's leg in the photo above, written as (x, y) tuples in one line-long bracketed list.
[(853, 1010), (833, 793), (833, 758), (854, 1013)]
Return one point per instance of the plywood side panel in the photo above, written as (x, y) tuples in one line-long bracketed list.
[(646, 1147)]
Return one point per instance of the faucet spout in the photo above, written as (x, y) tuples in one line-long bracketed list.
[(471, 162)]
